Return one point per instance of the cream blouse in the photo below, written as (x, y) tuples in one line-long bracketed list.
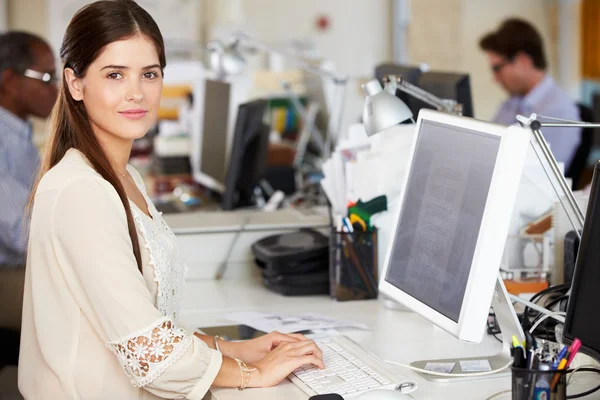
[(93, 326)]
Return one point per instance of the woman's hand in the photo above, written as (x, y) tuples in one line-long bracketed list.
[(254, 350), (283, 360)]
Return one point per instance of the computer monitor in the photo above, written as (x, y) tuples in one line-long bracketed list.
[(408, 73), (445, 85), (211, 166), (446, 246), (248, 160), (581, 321)]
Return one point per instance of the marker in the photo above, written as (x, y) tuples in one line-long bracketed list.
[(516, 342), (574, 349)]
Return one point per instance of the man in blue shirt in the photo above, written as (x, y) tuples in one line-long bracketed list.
[(517, 59), (27, 88)]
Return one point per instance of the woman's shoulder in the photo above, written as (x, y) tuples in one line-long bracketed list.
[(73, 169)]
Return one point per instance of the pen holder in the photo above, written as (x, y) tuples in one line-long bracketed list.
[(353, 265), (532, 384)]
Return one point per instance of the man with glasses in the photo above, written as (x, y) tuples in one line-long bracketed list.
[(27, 89), (517, 59)]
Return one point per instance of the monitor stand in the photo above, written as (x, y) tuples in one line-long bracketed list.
[(509, 325)]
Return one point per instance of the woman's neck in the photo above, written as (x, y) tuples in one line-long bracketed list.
[(118, 151)]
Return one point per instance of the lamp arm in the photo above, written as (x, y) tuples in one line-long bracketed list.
[(447, 105), (553, 172)]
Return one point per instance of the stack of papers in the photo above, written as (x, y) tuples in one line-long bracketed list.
[(269, 322), (363, 168)]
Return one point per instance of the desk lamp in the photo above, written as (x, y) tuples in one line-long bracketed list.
[(383, 109)]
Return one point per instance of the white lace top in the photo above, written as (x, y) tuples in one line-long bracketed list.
[(169, 267), (94, 327)]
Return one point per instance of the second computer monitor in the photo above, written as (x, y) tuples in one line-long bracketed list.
[(582, 321), (449, 235), (445, 85), (248, 160)]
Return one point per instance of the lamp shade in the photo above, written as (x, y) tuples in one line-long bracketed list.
[(382, 109), (226, 60)]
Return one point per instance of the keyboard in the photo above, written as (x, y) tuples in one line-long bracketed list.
[(349, 370)]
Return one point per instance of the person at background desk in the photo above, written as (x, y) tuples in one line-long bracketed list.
[(27, 88), (518, 61), (104, 277)]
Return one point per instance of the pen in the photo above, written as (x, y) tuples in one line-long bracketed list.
[(561, 355), (566, 361)]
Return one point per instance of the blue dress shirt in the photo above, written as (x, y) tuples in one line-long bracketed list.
[(19, 162), (549, 100)]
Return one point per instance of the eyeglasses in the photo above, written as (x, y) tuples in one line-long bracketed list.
[(498, 67), (41, 76)]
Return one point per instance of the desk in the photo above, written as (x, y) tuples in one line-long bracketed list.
[(205, 238), (205, 302)]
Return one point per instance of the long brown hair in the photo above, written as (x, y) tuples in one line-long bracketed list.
[(91, 29)]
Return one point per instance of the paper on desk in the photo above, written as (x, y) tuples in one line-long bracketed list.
[(289, 323), (444, 368), (475, 366)]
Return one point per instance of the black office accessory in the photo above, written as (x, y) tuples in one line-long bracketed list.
[(294, 263), (353, 265), (248, 159), (570, 256), (331, 396), (582, 320)]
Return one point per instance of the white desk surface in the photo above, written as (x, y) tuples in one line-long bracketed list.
[(251, 220), (396, 335)]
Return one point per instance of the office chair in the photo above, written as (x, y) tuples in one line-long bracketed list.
[(577, 167)]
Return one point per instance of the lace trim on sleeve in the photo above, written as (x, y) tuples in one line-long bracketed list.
[(146, 354)]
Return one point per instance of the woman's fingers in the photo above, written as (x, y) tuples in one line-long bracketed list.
[(285, 338), (306, 347), (311, 359)]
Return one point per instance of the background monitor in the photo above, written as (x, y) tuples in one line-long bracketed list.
[(248, 160), (445, 85), (212, 164), (446, 248), (408, 73), (582, 322)]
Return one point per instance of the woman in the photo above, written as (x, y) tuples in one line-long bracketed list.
[(104, 277)]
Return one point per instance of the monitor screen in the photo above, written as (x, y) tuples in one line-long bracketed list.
[(212, 166), (581, 321), (249, 155), (446, 195)]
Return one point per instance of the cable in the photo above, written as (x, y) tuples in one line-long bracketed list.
[(530, 305), (583, 368), (557, 301), (556, 288), (545, 317), (495, 395), (426, 372), (583, 394)]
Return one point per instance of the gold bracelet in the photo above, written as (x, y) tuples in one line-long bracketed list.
[(244, 368), (217, 342)]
